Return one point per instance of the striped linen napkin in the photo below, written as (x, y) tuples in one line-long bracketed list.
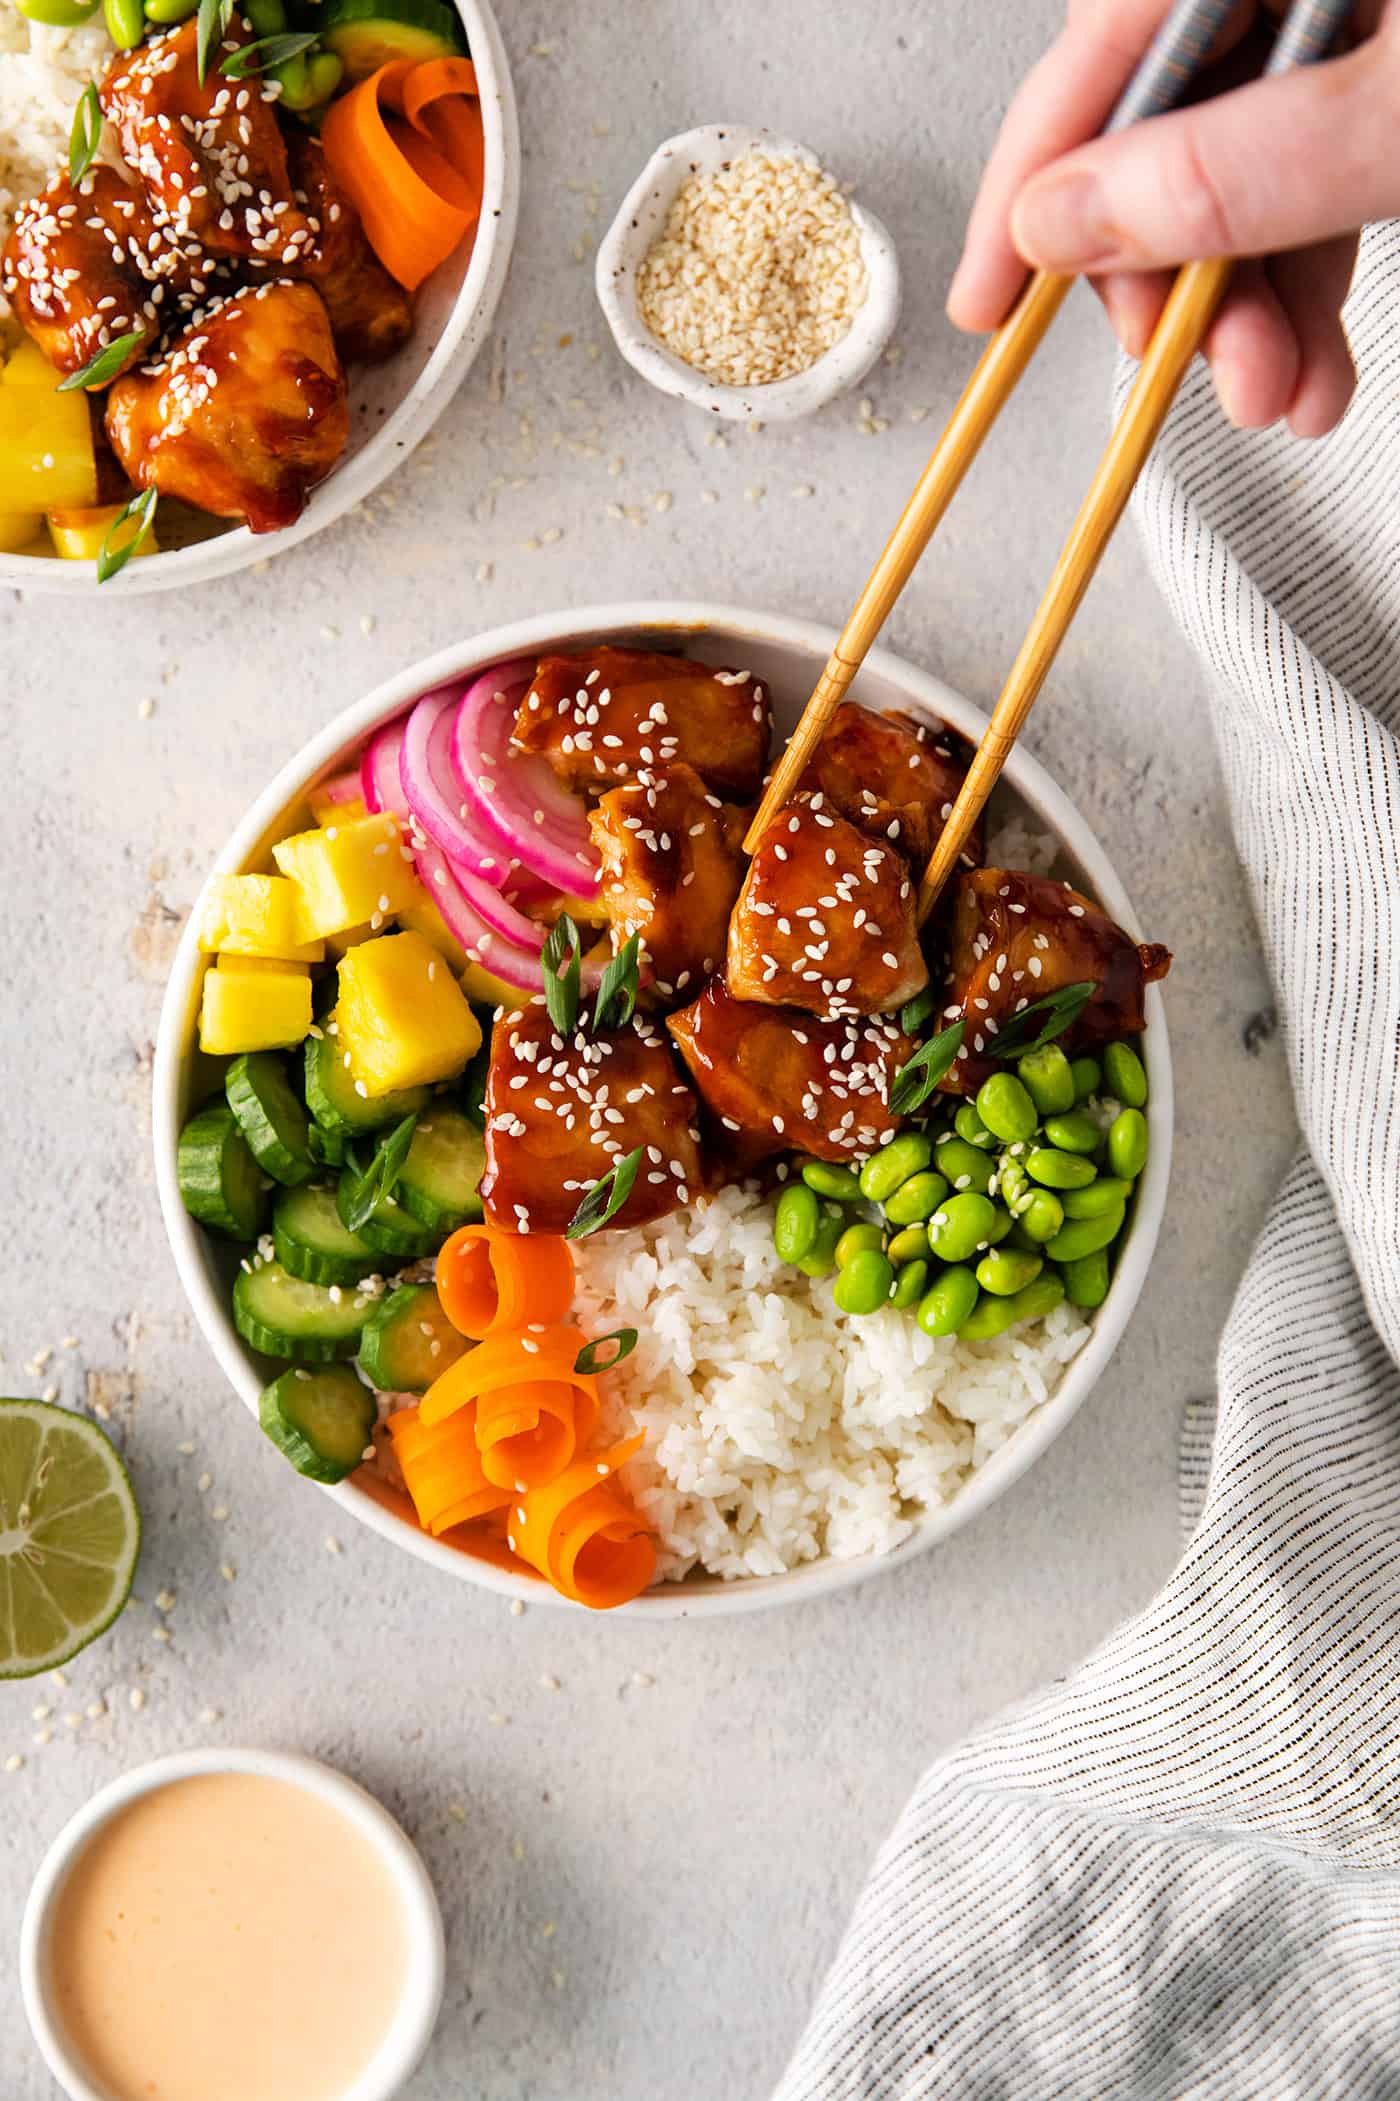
[(1178, 1873)]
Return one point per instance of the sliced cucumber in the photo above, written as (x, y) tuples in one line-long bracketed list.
[(327, 1147), (312, 1242), (287, 1316), (332, 1100), (408, 1340), (321, 1420), (367, 34), (389, 1230), (270, 1117), (220, 1181), (438, 1181)]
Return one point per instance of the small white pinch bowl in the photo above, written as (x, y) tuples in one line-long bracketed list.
[(640, 220), (408, 2035)]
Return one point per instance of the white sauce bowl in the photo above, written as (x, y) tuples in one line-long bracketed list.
[(393, 405), (787, 655), (640, 220), (394, 2061)]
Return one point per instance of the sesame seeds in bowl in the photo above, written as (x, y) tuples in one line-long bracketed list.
[(738, 276)]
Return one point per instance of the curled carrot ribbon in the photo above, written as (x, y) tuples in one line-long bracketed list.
[(406, 146), (489, 1279), (583, 1535), (442, 1470)]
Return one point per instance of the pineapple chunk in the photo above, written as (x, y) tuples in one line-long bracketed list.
[(326, 812), (78, 535), (340, 944), (18, 530), (254, 915), (484, 989), (46, 458), (26, 366), (402, 1020), (346, 874), (422, 915), (247, 1010), (258, 967)]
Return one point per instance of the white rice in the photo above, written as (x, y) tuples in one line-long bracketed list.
[(779, 1429), (42, 74)]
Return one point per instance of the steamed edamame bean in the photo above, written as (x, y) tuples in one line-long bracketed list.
[(58, 14), (857, 1240), (1078, 1237), (970, 1127), (126, 22), (1099, 1197), (1087, 1078), (1074, 1132), (910, 1245), (909, 1285), (916, 1199), (883, 1172), (1041, 1215), (165, 12), (795, 1222), (1006, 1108), (1086, 1281), (863, 1286), (1012, 1183), (960, 1226), (1048, 1078), (1127, 1144), (1124, 1076), (1007, 1270), (1000, 1228), (993, 1316), (323, 75), (1057, 1170), (829, 1178), (820, 1258), (963, 1164), (947, 1302)]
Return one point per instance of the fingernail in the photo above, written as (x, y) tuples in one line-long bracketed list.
[(1059, 222)]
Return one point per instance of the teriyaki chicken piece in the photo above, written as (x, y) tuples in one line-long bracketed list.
[(826, 919), (244, 413), (672, 865), (371, 315), (1017, 938), (562, 1111), (611, 714), (893, 777), (777, 1080)]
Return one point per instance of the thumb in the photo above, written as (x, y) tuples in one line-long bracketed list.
[(1278, 164)]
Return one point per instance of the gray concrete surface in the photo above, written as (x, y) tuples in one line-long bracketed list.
[(645, 1870)]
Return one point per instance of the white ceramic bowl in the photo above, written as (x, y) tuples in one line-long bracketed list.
[(640, 218), (787, 655), (393, 405), (393, 2063)]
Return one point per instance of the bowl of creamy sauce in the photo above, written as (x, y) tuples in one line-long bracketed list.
[(232, 1926)]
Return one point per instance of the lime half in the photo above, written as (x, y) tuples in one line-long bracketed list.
[(70, 1532)]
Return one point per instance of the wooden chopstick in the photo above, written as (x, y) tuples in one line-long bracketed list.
[(1163, 74), (1304, 37)]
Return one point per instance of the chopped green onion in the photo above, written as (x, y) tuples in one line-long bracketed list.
[(617, 992), (265, 52), (917, 1079), (1058, 1010), (115, 553), (210, 23), (382, 1177), (606, 1198), (915, 1012), (83, 139), (587, 1358), (561, 977), (104, 364)]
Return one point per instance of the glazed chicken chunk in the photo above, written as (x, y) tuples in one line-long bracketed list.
[(1017, 938), (243, 415), (614, 713), (777, 1079), (825, 919), (672, 865), (892, 777), (561, 1113), (371, 315), (211, 156), (89, 264)]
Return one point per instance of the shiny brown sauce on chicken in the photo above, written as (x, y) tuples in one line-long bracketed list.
[(672, 865), (893, 778), (610, 714)]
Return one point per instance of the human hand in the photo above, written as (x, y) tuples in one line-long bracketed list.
[(1281, 172)]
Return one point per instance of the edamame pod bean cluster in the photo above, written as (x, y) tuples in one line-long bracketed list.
[(992, 1213)]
